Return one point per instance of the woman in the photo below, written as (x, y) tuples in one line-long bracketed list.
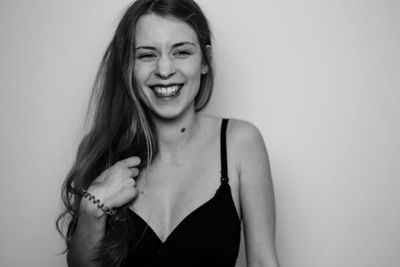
[(155, 183)]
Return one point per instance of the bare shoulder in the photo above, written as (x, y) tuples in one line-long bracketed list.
[(243, 134), (248, 149)]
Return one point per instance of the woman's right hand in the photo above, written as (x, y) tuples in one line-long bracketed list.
[(115, 186)]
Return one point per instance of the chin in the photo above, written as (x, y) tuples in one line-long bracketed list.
[(171, 112)]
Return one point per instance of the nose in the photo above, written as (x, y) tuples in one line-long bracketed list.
[(165, 67)]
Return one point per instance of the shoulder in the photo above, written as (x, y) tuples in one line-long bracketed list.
[(247, 149), (242, 133)]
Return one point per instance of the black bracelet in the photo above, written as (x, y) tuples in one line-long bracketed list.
[(100, 205)]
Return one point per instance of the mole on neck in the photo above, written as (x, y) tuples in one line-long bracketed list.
[(183, 130)]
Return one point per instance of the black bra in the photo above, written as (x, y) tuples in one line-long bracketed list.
[(209, 236)]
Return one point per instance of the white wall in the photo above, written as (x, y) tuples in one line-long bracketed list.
[(319, 78)]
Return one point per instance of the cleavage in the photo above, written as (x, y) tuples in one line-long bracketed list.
[(165, 206)]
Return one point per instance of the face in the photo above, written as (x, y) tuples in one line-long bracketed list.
[(168, 65)]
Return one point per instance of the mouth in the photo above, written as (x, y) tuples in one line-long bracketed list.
[(166, 90)]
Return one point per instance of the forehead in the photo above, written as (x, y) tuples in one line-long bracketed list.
[(155, 30)]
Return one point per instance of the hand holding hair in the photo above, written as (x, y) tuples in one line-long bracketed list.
[(114, 187)]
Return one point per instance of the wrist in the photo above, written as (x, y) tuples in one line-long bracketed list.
[(94, 206), (87, 208)]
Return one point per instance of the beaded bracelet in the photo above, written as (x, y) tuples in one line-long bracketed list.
[(100, 205)]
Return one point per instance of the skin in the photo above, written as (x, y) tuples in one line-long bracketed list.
[(168, 54), (176, 183)]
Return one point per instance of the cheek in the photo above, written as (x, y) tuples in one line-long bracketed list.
[(143, 70), (192, 71), (140, 77), (139, 74)]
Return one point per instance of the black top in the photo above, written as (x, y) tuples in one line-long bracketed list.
[(209, 236)]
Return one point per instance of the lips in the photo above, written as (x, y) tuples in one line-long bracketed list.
[(168, 90)]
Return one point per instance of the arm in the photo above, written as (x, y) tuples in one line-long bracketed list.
[(114, 188), (89, 231), (256, 196)]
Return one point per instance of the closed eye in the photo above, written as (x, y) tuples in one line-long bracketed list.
[(182, 53), (146, 56)]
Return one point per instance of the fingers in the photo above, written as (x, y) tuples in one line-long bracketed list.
[(135, 193), (130, 162), (134, 172)]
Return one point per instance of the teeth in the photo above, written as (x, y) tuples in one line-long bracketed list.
[(166, 91)]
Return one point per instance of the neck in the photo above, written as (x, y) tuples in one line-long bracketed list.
[(173, 135)]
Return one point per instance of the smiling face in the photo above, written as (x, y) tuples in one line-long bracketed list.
[(168, 65)]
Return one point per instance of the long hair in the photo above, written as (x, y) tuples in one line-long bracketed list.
[(120, 125)]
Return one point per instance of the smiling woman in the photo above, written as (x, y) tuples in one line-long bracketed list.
[(168, 65), (156, 183)]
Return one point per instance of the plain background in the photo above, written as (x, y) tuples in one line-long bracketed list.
[(321, 80)]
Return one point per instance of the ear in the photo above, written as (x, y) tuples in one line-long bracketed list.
[(204, 69)]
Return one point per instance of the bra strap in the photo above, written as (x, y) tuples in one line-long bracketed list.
[(224, 162)]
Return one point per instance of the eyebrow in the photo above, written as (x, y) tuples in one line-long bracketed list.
[(173, 46)]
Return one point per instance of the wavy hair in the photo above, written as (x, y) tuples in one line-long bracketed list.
[(120, 125)]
